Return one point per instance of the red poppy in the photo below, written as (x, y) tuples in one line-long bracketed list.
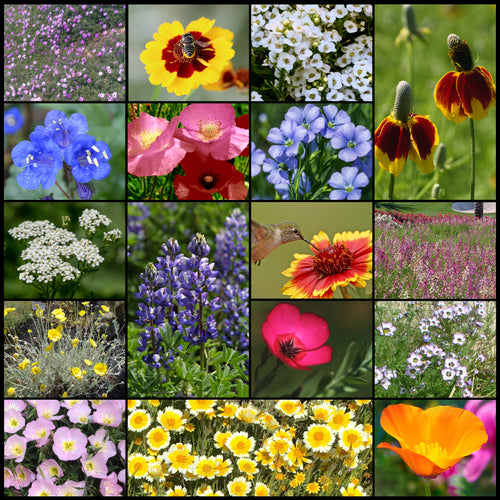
[(206, 176)]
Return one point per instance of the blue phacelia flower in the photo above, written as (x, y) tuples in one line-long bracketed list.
[(12, 121), (62, 130), (88, 158), (41, 159)]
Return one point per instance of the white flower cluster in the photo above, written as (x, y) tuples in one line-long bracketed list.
[(48, 251), (321, 52), (91, 219), (112, 236)]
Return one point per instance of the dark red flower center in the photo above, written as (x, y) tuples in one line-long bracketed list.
[(208, 180), (333, 260), (289, 346)]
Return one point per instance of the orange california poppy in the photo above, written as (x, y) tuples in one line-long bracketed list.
[(433, 440)]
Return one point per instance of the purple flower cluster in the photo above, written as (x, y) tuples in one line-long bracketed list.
[(314, 133), (61, 139), (232, 265), (175, 291), (64, 52)]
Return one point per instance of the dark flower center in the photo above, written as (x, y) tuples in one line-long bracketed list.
[(288, 348), (332, 260), (208, 180)]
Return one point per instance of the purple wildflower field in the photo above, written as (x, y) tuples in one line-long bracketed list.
[(443, 256), (64, 52)]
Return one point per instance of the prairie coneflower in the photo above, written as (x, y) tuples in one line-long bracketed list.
[(433, 440), (404, 134), (348, 259), (183, 59)]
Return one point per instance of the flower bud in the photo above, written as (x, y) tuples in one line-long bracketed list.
[(402, 102)]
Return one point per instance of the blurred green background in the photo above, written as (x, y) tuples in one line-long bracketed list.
[(394, 478), (106, 123), (475, 23), (144, 21), (311, 217), (106, 283), (349, 321)]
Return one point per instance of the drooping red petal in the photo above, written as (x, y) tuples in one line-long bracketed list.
[(476, 91)]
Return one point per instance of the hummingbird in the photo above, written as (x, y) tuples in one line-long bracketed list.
[(266, 237)]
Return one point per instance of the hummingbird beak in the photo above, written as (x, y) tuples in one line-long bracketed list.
[(314, 246)]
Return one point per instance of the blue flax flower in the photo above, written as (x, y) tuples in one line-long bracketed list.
[(287, 139), (352, 141), (88, 158), (335, 118), (347, 184), (309, 118), (41, 159)]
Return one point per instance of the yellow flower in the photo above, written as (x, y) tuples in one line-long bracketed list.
[(24, 364), (75, 342), (137, 465), (158, 438), (183, 59), (105, 308), (11, 391), (139, 420), (77, 373), (49, 347), (81, 313), (319, 437), (171, 419), (92, 343), (180, 458), (87, 362), (205, 467), (42, 387), (240, 444), (7, 310), (55, 333), (59, 314), (100, 369), (239, 487), (36, 370)]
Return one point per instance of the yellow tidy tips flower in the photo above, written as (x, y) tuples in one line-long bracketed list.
[(100, 369), (55, 333), (183, 59)]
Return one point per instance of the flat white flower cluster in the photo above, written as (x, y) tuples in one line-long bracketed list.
[(91, 219), (321, 52), (48, 251), (112, 236)]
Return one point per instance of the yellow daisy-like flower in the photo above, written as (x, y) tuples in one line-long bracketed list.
[(77, 373), (81, 313), (75, 342), (224, 467), (263, 456), (183, 59), (156, 470), (55, 333), (7, 310), (240, 444), (228, 410), (139, 420), (92, 343), (11, 391), (278, 446), (100, 369), (59, 314), (352, 491), (176, 491), (352, 437), (36, 370), (49, 347), (239, 487), (171, 419), (313, 488), (261, 490), (180, 458), (247, 466), (288, 406), (24, 364), (158, 438), (319, 437), (198, 406), (137, 465), (340, 418), (205, 467), (220, 439), (87, 362), (297, 456)]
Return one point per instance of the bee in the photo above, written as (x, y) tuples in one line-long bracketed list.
[(188, 45)]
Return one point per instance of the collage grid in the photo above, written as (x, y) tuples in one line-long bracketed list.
[(182, 182)]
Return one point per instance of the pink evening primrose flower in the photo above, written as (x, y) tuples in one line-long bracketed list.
[(108, 414), (72, 489), (101, 444), (23, 477), (49, 469), (109, 486), (80, 413), (15, 447), (13, 421), (39, 430), (48, 408), (94, 466), (152, 147), (212, 129), (297, 339), (43, 488), (69, 444)]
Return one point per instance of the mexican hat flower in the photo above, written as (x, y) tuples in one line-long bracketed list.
[(468, 92), (404, 134), (348, 259), (183, 59), (297, 339), (433, 440)]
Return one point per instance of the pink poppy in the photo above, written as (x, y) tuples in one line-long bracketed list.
[(152, 147), (206, 176), (297, 339), (212, 129)]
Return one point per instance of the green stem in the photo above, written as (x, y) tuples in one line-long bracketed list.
[(391, 187), (427, 487), (473, 163)]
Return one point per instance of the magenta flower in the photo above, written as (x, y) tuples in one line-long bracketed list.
[(297, 339), (69, 444), (475, 466), (152, 147), (212, 129)]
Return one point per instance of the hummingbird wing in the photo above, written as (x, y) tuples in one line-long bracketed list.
[(258, 233)]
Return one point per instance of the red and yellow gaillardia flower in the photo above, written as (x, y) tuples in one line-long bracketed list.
[(347, 260), (183, 59), (468, 92), (433, 440), (404, 134)]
